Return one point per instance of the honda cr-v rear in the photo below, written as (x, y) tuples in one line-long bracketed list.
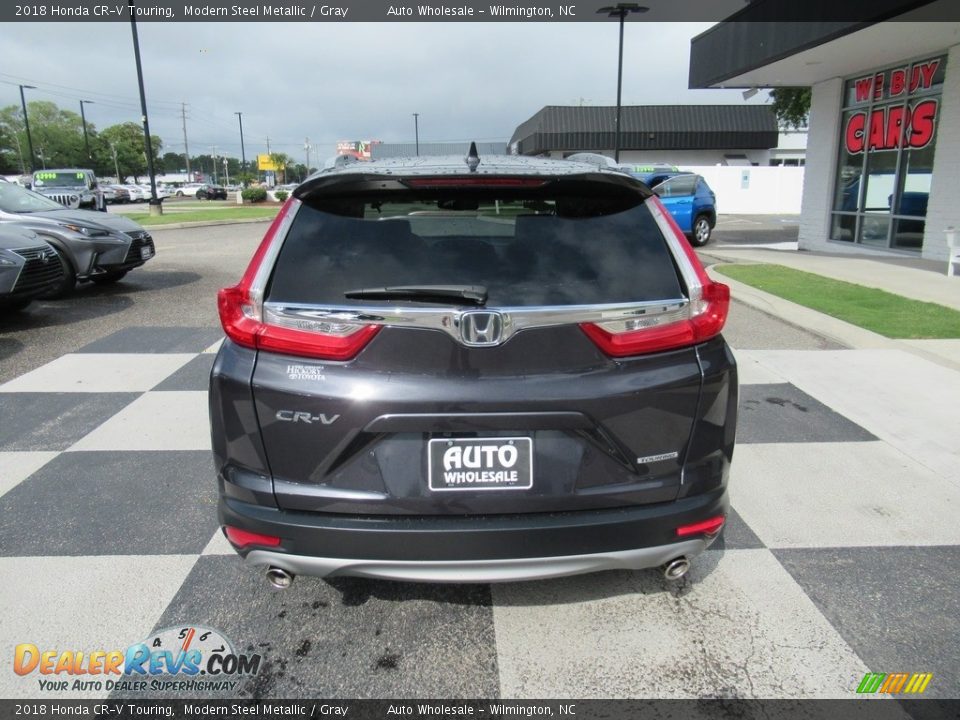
[(459, 370)]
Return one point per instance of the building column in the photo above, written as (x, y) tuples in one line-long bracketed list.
[(823, 139), (943, 210)]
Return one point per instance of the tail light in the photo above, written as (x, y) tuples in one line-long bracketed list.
[(244, 538), (702, 319), (707, 527), (242, 316)]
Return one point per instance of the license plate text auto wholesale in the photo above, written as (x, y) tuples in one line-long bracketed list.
[(480, 463)]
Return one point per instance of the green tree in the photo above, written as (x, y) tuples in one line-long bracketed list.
[(127, 140), (791, 105), (281, 160), (57, 137)]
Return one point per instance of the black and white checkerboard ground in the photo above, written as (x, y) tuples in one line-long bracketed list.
[(840, 556)]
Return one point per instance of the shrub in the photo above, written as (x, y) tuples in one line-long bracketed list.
[(281, 195), (254, 194)]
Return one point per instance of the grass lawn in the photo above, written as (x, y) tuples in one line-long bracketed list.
[(234, 213), (890, 315)]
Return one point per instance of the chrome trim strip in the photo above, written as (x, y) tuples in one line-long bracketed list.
[(479, 571), (690, 278), (269, 259), (448, 320)]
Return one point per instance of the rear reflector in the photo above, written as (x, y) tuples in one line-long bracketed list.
[(703, 319), (244, 538), (241, 314), (707, 527)]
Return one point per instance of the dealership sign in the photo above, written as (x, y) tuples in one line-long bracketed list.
[(889, 127)]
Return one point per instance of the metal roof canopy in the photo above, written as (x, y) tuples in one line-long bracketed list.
[(648, 127), (751, 50)]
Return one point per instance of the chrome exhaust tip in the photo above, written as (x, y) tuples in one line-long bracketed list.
[(676, 568), (279, 578)]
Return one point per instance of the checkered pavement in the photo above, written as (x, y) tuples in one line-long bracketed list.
[(840, 555)]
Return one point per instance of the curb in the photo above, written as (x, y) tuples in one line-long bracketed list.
[(204, 223), (825, 326)]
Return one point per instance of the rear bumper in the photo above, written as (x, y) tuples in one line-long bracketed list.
[(480, 571), (474, 548)]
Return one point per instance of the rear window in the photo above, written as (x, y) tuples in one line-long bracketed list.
[(523, 252)]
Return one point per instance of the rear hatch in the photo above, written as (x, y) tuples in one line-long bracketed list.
[(439, 346)]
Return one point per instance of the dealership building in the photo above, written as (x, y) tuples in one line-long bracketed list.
[(686, 135), (883, 149)]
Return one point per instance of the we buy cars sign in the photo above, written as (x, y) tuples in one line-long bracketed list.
[(910, 125)]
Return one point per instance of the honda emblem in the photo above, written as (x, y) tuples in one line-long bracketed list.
[(481, 328)]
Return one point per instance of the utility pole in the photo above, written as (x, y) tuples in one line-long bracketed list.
[(215, 165), (116, 167), (226, 170), (243, 152), (306, 146), (416, 131), (26, 124), (155, 207), (83, 117), (268, 144), (186, 149)]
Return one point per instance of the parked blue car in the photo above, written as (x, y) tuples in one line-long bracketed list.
[(688, 198)]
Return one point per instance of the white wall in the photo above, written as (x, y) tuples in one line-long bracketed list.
[(943, 208), (754, 190)]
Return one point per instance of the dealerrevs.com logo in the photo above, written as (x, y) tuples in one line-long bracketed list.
[(175, 659)]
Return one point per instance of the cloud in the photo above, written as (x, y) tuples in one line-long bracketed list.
[(332, 81)]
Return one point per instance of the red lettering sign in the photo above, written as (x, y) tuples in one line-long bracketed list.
[(917, 77), (889, 128), (863, 88), (898, 82), (923, 123)]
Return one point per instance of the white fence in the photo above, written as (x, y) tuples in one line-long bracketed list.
[(754, 190)]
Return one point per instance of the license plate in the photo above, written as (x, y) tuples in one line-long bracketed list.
[(146, 253), (480, 464)]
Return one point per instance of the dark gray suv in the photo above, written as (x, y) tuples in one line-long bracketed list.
[(449, 369)]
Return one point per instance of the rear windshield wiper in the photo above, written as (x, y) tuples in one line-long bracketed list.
[(473, 294)]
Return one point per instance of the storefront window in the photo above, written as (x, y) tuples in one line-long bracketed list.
[(887, 147)]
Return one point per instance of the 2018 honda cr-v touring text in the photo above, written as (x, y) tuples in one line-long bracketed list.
[(465, 369)]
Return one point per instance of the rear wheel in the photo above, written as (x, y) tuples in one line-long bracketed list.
[(701, 231)]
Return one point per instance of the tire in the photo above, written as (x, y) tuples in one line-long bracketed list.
[(69, 281), (702, 231), (179, 193), (109, 278)]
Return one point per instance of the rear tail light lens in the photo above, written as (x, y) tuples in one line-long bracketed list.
[(242, 317), (707, 527), (702, 319), (245, 538)]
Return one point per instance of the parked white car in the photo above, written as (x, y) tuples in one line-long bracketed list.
[(136, 193), (188, 190)]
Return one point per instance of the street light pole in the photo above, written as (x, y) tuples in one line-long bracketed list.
[(620, 10), (155, 207), (26, 122), (416, 131), (83, 117), (243, 153), (306, 147)]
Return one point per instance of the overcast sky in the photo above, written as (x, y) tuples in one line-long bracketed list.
[(351, 81)]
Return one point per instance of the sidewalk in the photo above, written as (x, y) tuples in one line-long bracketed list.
[(909, 277)]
